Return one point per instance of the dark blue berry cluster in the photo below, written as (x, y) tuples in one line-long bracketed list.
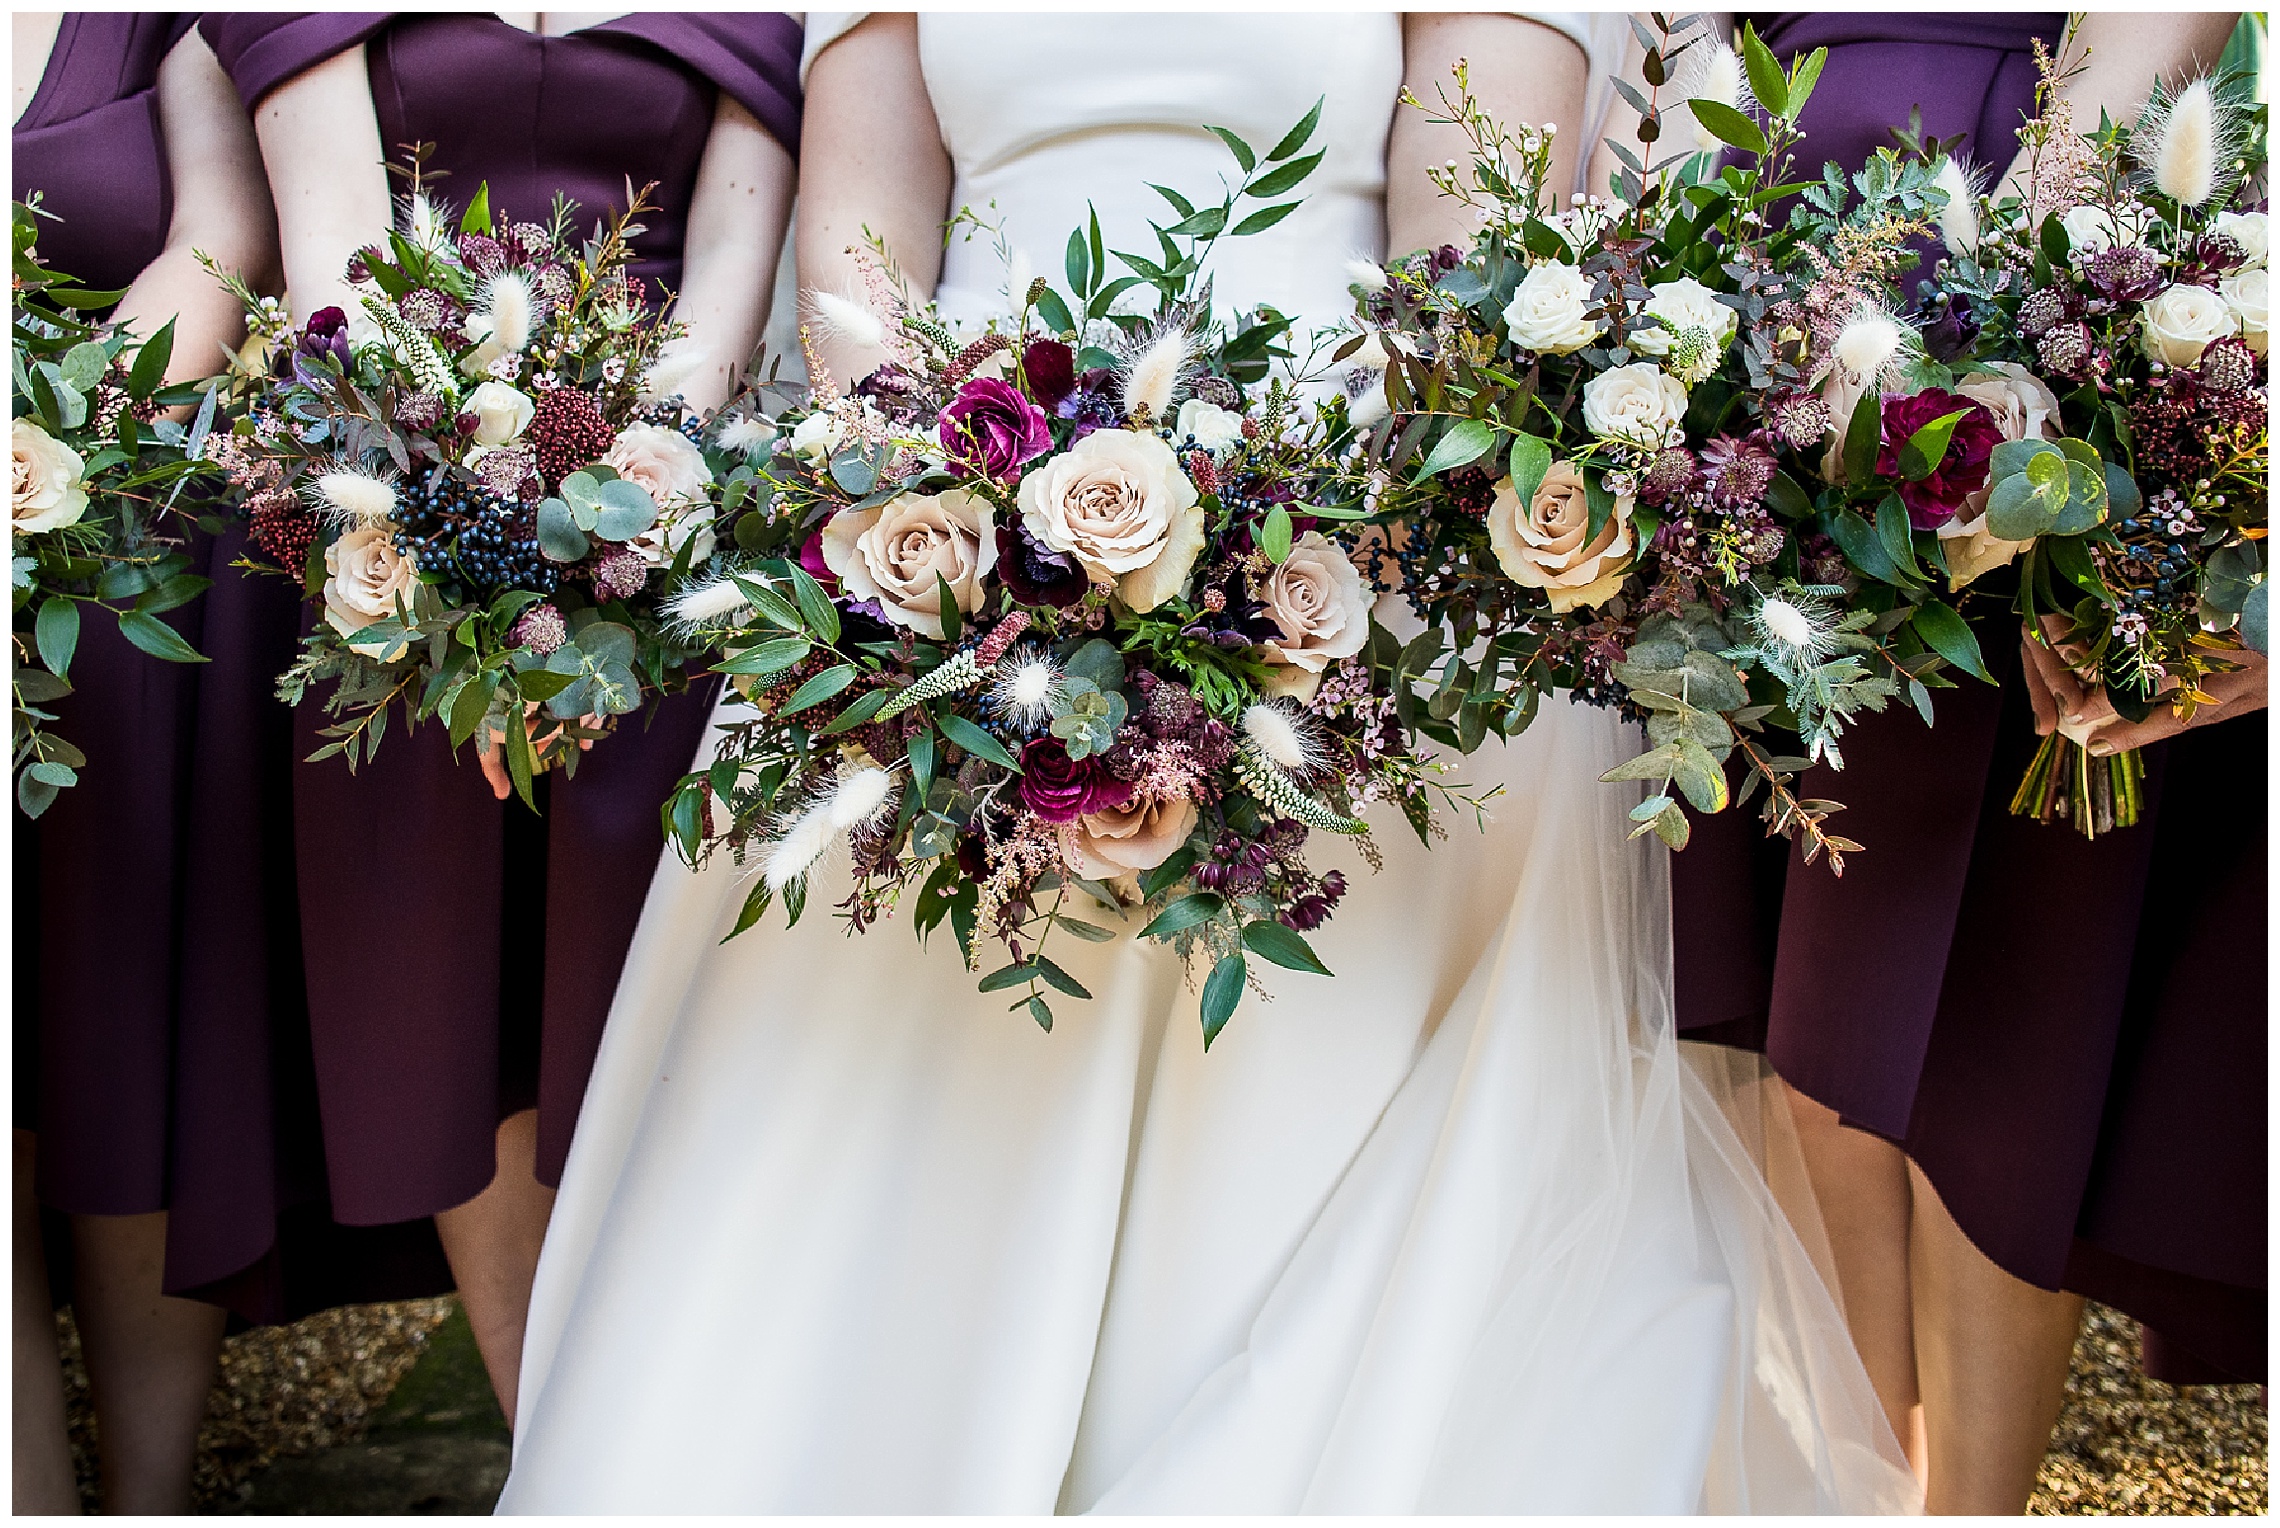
[(450, 526)]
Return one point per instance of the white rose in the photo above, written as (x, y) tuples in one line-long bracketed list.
[(363, 575), (2090, 230), (501, 413), (815, 438), (1319, 606), (661, 461), (44, 492), (2024, 409), (2183, 321), (2244, 293), (2252, 231), (1139, 835), (1118, 503), (1210, 426), (1640, 403), (895, 552), (1546, 313), (1542, 543), (1684, 304)]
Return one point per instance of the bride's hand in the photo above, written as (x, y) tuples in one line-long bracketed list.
[(494, 758)]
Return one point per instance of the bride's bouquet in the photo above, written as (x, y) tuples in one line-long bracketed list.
[(1051, 615), (96, 477), (481, 478), (1671, 451), (2112, 321)]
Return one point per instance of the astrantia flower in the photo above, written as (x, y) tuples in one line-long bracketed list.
[(1963, 470), (2124, 273), (989, 428), (541, 629), (620, 574), (1736, 471)]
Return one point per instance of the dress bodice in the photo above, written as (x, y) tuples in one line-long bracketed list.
[(90, 143), (1107, 103), (629, 99)]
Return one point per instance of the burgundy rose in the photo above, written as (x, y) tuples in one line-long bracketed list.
[(1061, 789), (1961, 473), (1034, 572), (1051, 370), (991, 429), (811, 558)]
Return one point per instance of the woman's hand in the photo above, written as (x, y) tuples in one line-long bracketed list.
[(2065, 700), (494, 758)]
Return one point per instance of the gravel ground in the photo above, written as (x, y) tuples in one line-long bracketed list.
[(302, 1421)]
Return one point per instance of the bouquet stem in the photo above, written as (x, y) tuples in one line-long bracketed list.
[(2097, 794)]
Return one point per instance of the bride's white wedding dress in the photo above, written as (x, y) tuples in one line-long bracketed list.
[(1456, 1230)]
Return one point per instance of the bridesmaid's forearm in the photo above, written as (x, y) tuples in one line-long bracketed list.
[(2123, 53), (735, 234), (321, 141), (208, 322)]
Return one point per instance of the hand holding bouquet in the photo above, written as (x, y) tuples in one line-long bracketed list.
[(1050, 615), (481, 478), (2111, 317), (95, 482), (1669, 452)]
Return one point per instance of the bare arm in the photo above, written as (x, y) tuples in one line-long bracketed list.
[(2126, 51), (1677, 122), (736, 230), (221, 208), (1522, 71), (872, 157), (328, 173)]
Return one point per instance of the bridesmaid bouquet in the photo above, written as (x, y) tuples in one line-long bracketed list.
[(96, 473), (1668, 451), (480, 477), (2110, 324), (1053, 613)]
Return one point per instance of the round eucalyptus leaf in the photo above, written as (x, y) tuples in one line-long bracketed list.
[(2253, 619), (606, 642), (2012, 456), (2085, 501), (2016, 511), (558, 534), (626, 510)]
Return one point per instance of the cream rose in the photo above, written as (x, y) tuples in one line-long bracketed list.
[(1547, 311), (501, 413), (1139, 835), (2183, 321), (1320, 606), (2024, 409), (1210, 426), (2252, 231), (1640, 403), (2091, 230), (662, 462), (44, 492), (1542, 545), (2245, 293), (1679, 305), (815, 438), (895, 552), (1118, 503), (363, 575)]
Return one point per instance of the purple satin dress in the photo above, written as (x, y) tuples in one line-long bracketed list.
[(462, 953), (2067, 1036)]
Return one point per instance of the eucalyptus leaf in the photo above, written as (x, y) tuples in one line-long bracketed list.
[(559, 538)]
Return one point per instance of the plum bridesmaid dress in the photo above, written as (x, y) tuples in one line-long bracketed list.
[(417, 890), (2066, 1036), (160, 1053)]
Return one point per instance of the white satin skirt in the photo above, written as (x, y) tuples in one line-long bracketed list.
[(1456, 1231)]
